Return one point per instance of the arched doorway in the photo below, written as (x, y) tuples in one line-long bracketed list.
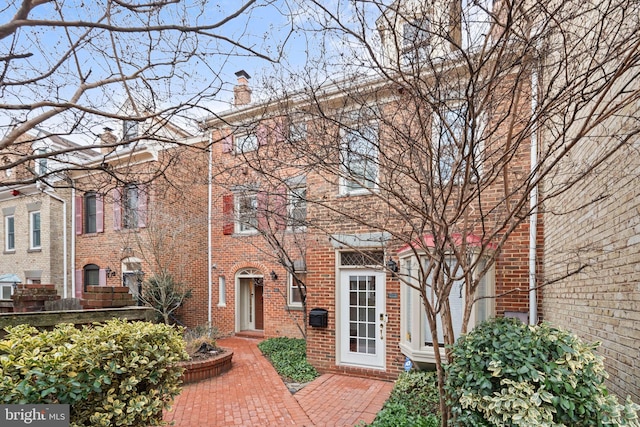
[(249, 300)]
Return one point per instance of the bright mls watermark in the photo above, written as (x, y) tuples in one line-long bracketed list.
[(34, 415)]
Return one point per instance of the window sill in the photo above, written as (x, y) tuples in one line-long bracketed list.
[(222, 305), (357, 193), (33, 250), (295, 308), (426, 356), (9, 252)]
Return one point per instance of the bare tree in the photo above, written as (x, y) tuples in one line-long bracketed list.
[(452, 121), (73, 68)]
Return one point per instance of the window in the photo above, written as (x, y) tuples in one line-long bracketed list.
[(34, 230), (129, 130), (416, 338), (222, 291), (359, 154), (9, 233), (90, 213), (476, 22), (130, 206), (297, 131), (453, 135), (297, 206), (296, 288), (247, 212), (6, 290), (416, 41), (245, 143), (91, 275), (41, 163)]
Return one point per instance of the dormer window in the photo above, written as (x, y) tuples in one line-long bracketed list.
[(416, 40), (129, 130)]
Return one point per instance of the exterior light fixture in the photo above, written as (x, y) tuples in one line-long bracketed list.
[(392, 265), (273, 275)]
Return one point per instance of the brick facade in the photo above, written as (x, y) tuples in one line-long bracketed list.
[(596, 227)]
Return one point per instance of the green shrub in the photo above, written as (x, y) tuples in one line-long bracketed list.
[(413, 402), (118, 373), (289, 358), (505, 373)]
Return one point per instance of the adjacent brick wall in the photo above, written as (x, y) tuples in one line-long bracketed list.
[(107, 297), (596, 226)]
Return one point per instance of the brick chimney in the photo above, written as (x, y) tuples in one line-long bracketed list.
[(242, 91), (108, 138)]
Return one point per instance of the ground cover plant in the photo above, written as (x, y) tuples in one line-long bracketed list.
[(117, 373), (413, 402), (289, 358), (506, 373)]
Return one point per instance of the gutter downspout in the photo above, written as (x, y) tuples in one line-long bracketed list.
[(209, 215), (65, 267), (533, 203)]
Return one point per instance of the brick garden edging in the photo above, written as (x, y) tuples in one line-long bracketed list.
[(197, 370)]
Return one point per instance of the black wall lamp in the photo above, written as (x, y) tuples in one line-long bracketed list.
[(273, 275), (392, 265)]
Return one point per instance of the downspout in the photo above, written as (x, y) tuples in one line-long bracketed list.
[(533, 203), (65, 267), (209, 215), (73, 243)]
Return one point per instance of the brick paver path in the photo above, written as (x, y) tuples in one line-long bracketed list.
[(252, 394)]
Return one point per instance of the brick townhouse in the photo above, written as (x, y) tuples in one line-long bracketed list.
[(142, 211), (280, 214)]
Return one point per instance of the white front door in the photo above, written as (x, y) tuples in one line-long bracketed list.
[(362, 318)]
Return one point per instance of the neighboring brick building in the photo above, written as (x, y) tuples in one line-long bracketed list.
[(595, 227), (36, 229), (144, 212)]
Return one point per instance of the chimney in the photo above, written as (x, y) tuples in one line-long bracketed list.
[(242, 91), (108, 138)]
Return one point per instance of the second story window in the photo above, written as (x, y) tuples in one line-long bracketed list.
[(130, 206), (297, 206), (359, 156), (245, 142), (90, 213), (34, 230), (416, 41), (247, 212), (9, 233)]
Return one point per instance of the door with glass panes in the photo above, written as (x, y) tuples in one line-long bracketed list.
[(362, 318)]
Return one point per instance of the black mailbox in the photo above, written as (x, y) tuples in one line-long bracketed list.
[(318, 318)]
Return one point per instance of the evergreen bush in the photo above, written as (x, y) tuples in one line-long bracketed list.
[(118, 373), (506, 373)]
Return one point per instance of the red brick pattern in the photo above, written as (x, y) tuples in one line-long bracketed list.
[(252, 394), (31, 297), (107, 297)]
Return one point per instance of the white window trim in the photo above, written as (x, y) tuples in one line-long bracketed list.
[(435, 138), (31, 230), (239, 225), (415, 349), (290, 285), (344, 189), (291, 196), (244, 137), (222, 291), (6, 233), (2, 287)]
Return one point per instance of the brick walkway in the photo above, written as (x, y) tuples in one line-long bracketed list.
[(252, 394)]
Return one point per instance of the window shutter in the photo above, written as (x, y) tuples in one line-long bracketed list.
[(227, 213), (79, 218), (143, 197), (99, 213), (227, 144), (79, 284), (117, 209), (262, 134), (102, 277)]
